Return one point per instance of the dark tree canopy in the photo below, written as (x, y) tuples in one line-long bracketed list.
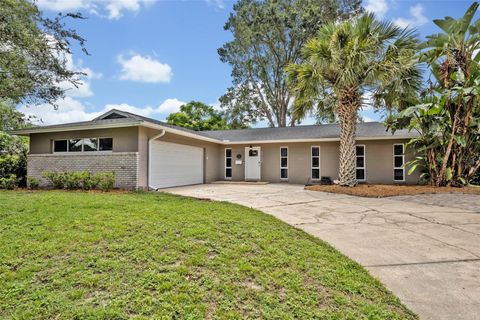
[(33, 53), (13, 149), (267, 36), (198, 116)]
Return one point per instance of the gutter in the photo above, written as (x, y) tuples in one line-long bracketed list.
[(193, 135), (27, 132), (161, 134), (228, 142)]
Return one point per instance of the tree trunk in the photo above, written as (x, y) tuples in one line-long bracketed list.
[(347, 112)]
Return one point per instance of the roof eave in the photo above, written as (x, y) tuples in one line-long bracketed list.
[(92, 126), (227, 142), (27, 132), (181, 132)]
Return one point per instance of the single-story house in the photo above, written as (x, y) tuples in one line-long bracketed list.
[(147, 153)]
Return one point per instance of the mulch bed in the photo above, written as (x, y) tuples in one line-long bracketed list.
[(381, 190)]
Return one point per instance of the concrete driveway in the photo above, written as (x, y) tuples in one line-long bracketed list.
[(428, 255)]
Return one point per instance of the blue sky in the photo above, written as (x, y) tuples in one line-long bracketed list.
[(149, 57)]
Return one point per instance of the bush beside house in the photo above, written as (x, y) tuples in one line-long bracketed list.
[(79, 180)]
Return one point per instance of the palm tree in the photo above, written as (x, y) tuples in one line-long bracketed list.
[(345, 61)]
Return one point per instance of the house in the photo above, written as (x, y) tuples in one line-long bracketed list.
[(144, 152)]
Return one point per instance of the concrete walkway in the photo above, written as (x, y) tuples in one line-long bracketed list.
[(428, 255)]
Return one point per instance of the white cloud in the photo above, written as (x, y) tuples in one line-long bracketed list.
[(72, 110), (69, 110), (111, 9), (219, 4), (146, 112), (379, 7), (83, 88), (417, 18), (144, 69), (169, 106), (368, 119)]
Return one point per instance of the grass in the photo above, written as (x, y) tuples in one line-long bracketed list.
[(80, 255), (385, 190)]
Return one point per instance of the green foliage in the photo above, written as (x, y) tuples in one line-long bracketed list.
[(354, 57), (89, 181), (34, 55), (70, 255), (104, 181), (8, 182), (447, 114), (73, 180), (11, 118), (33, 183), (13, 157), (267, 36), (342, 63), (56, 179), (199, 116)]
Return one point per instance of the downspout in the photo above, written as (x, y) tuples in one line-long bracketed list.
[(150, 154)]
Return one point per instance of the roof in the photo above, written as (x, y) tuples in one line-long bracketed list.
[(327, 132), (323, 131)]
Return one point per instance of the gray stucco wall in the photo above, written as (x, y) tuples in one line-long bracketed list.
[(124, 139), (124, 164), (379, 161), (134, 140)]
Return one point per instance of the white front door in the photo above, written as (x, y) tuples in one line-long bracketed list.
[(253, 163)]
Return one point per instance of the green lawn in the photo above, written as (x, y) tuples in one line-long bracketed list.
[(82, 255)]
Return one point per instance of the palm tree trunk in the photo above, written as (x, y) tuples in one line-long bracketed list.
[(347, 113)]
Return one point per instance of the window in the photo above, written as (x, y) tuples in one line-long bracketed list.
[(60, 146), (315, 163), (105, 144), (83, 145), (90, 144), (398, 162), (75, 145), (284, 163), (228, 163), (361, 173)]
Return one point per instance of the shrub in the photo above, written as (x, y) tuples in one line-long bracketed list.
[(9, 182), (106, 180), (81, 180), (88, 181), (56, 179), (33, 183), (13, 157), (73, 180)]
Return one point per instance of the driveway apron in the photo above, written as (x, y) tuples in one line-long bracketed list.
[(427, 252)]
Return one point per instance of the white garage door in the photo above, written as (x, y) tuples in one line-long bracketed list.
[(174, 165)]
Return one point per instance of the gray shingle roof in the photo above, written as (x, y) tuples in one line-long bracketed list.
[(323, 131)]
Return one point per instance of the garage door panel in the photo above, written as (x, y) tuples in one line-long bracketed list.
[(175, 165)]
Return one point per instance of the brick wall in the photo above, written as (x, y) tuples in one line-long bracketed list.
[(124, 164)]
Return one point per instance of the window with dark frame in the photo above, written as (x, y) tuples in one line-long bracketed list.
[(360, 169), (75, 145), (228, 163), (398, 162), (284, 163), (90, 144), (315, 163), (60, 146), (83, 145), (105, 144)]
